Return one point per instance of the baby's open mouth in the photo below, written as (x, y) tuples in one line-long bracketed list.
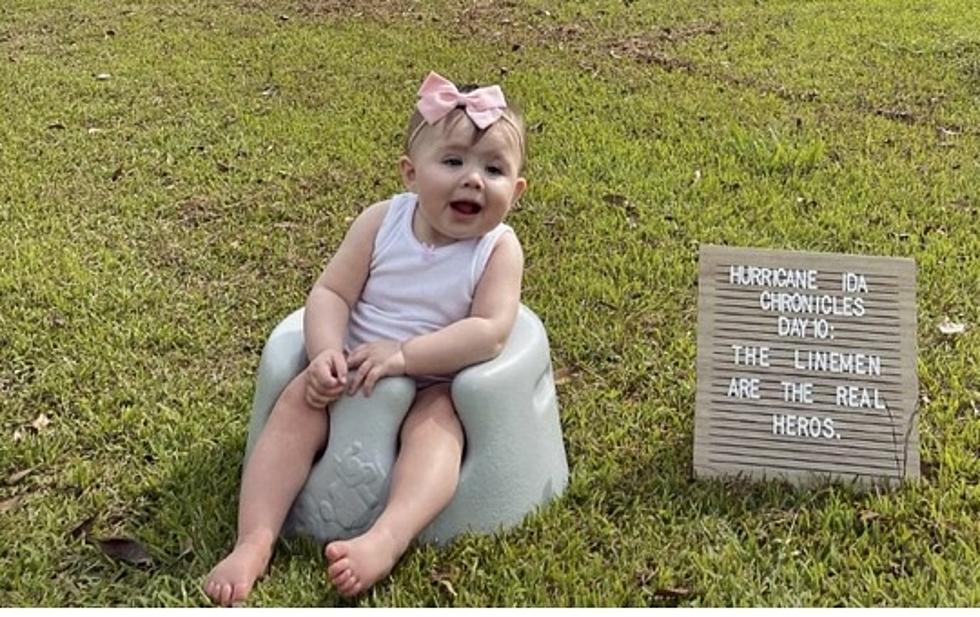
[(466, 207)]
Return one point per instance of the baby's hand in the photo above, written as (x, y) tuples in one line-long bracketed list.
[(374, 361), (326, 377)]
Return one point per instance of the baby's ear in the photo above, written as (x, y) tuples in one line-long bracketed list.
[(407, 170), (520, 185)]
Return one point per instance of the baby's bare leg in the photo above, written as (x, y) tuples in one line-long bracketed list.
[(422, 483), (274, 475)]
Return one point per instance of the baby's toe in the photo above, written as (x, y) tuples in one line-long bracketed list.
[(239, 593), (226, 591), (351, 587), (341, 578), (335, 551), (338, 568)]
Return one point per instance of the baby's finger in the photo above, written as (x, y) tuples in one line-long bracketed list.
[(356, 357), (372, 378), (340, 367), (315, 400), (358, 378), (327, 381), (335, 392), (320, 377)]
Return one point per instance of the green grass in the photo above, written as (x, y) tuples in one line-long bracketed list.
[(155, 225)]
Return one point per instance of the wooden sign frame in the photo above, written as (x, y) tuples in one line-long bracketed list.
[(806, 366)]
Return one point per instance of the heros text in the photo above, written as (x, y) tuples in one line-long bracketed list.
[(801, 311)]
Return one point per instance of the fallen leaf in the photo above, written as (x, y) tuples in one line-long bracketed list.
[(950, 327), (442, 578), (563, 375), (673, 592), (449, 587), (20, 475), (869, 515), (127, 550), (82, 528), (10, 504), (40, 423)]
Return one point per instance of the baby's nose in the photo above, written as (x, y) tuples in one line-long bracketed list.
[(473, 179)]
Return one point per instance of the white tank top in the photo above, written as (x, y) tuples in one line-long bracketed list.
[(414, 288)]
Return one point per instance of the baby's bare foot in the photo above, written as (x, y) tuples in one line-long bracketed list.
[(230, 582), (357, 564)]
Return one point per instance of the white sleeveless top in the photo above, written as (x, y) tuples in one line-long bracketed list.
[(414, 288)]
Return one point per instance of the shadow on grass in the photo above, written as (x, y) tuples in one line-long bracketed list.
[(196, 524)]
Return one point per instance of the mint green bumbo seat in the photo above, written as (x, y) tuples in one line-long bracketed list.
[(514, 459)]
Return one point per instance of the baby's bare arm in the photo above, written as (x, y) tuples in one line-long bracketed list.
[(333, 296), (482, 335)]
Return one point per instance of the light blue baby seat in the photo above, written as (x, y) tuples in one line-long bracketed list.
[(514, 459)]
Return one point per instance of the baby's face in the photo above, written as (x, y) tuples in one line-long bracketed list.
[(465, 189)]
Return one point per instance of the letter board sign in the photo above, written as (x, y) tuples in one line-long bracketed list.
[(806, 366)]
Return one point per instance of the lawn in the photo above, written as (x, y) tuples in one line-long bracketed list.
[(173, 175)]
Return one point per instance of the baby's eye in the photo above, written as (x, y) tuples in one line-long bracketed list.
[(495, 170), (452, 161)]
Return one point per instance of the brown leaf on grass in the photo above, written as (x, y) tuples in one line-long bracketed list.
[(448, 587), (867, 516), (14, 478), (127, 550), (82, 528), (673, 593), (40, 423), (563, 375), (10, 504), (441, 578)]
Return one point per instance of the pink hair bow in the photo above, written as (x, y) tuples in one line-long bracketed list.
[(438, 96)]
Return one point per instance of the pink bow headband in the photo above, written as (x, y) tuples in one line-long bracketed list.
[(438, 96)]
